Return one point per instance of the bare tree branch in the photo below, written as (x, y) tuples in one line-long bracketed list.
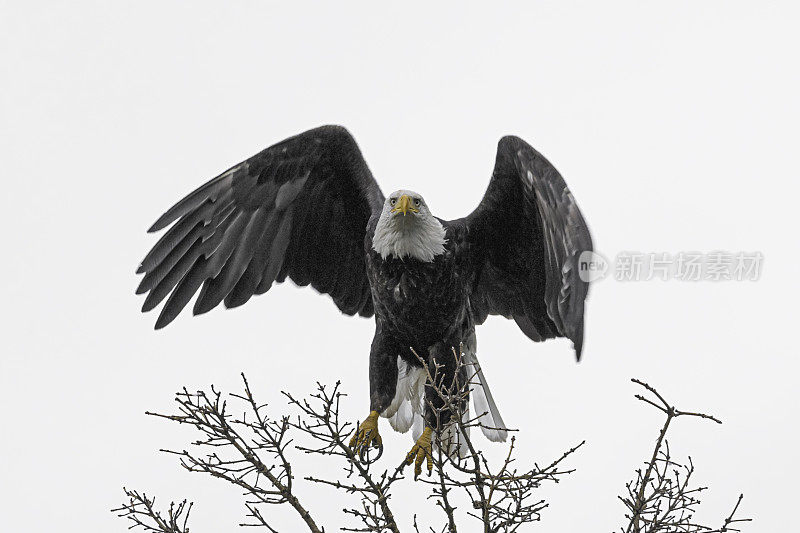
[(660, 498), (253, 453), (320, 420), (140, 510), (256, 449)]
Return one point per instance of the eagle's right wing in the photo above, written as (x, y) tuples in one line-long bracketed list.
[(299, 208)]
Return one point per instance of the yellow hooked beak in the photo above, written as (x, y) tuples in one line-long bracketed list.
[(405, 204)]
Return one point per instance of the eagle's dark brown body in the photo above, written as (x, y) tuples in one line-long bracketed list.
[(422, 306)]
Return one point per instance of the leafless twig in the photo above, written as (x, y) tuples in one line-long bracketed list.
[(248, 452), (141, 511), (660, 498)]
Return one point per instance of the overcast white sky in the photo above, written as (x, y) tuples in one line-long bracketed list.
[(674, 125)]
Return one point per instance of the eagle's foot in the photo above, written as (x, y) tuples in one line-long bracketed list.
[(422, 450), (365, 436)]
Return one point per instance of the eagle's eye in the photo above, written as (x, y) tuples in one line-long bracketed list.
[(416, 202), (393, 201)]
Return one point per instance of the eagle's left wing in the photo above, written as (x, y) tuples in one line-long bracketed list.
[(527, 235)]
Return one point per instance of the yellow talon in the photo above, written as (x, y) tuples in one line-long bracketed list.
[(420, 451), (367, 435)]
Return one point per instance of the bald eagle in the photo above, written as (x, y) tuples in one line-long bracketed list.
[(309, 209)]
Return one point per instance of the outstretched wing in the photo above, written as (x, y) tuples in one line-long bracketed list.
[(299, 208), (528, 234)]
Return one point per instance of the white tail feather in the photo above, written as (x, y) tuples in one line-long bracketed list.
[(491, 422)]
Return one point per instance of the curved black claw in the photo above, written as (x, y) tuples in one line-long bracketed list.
[(363, 454)]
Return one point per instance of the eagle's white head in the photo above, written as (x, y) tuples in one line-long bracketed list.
[(406, 228)]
